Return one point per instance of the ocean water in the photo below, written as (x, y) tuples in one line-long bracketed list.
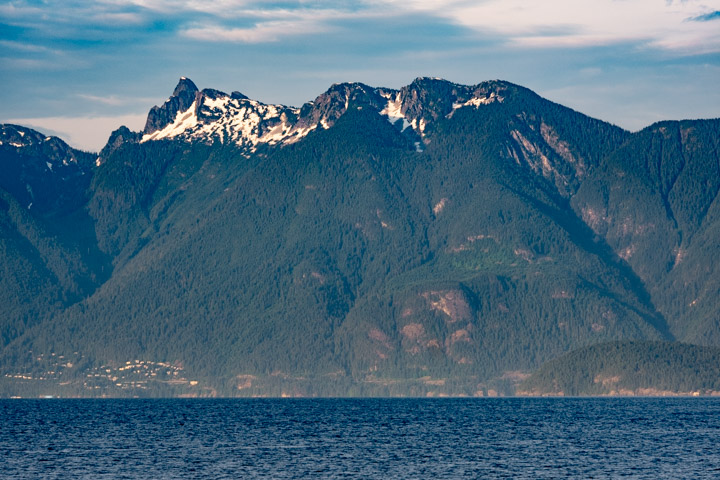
[(360, 438)]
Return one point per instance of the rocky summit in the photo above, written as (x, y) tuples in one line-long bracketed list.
[(212, 116)]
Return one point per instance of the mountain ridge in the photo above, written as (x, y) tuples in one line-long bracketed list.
[(211, 115)]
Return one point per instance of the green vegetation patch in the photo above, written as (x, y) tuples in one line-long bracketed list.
[(630, 368)]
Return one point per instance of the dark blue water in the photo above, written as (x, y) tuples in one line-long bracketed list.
[(377, 438)]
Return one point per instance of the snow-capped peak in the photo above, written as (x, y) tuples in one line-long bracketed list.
[(212, 116), (216, 116)]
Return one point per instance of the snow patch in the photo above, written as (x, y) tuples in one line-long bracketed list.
[(246, 123), (183, 121), (276, 134), (249, 123), (393, 111), (215, 103), (477, 101), (300, 133)]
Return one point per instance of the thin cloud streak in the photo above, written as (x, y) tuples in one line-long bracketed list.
[(218, 7), (76, 13), (116, 101), (49, 64), (260, 33), (29, 47)]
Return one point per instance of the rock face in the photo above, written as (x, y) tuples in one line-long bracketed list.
[(181, 99), (117, 138)]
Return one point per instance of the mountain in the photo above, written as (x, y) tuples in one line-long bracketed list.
[(43, 189), (210, 116), (43, 173), (667, 228), (436, 239)]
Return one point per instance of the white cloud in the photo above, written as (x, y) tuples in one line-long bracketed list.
[(660, 24), (663, 24), (273, 25), (582, 23), (115, 18), (86, 133), (267, 31)]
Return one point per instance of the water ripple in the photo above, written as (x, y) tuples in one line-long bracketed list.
[(360, 438)]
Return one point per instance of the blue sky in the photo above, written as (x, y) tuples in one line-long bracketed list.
[(79, 69)]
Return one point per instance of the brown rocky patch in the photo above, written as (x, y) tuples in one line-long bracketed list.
[(413, 331), (450, 302)]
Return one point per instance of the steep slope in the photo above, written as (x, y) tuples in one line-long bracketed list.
[(655, 203), (46, 241), (512, 276), (43, 173)]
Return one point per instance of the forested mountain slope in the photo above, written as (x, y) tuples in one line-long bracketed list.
[(629, 368), (655, 201), (437, 239)]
